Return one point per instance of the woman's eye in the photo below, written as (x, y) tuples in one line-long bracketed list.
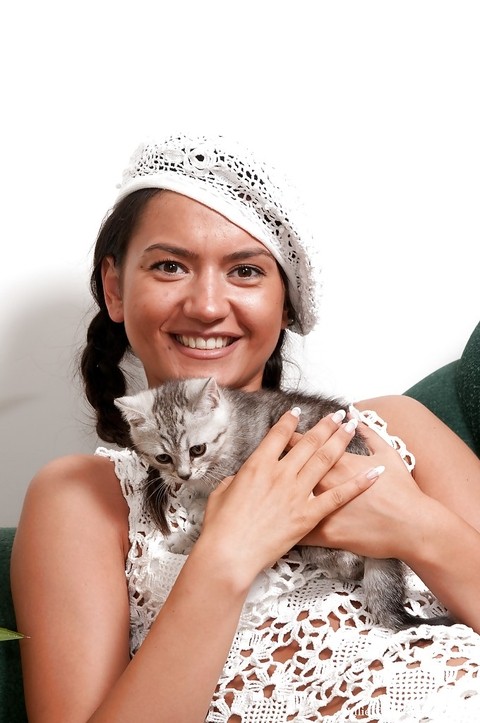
[(163, 458), (246, 272), (198, 450), (168, 267)]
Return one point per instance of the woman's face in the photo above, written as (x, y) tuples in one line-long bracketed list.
[(198, 295)]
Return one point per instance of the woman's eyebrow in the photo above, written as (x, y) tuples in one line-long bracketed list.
[(174, 250), (244, 254), (240, 255)]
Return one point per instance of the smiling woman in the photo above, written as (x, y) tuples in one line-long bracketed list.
[(201, 269)]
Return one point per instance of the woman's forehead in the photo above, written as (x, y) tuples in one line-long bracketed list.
[(173, 222)]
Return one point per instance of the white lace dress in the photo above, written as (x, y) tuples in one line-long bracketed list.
[(340, 666)]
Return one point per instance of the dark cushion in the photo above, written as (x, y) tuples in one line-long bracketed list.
[(453, 393), (467, 381), (12, 707)]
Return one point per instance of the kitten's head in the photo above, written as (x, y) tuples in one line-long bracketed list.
[(180, 428)]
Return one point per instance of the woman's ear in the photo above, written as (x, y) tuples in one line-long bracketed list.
[(111, 289), (288, 314)]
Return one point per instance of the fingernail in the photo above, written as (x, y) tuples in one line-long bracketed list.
[(296, 411), (351, 425), (354, 413), (339, 416), (375, 472)]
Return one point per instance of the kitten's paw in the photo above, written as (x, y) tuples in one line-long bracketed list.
[(337, 564), (196, 513), (185, 496), (179, 543)]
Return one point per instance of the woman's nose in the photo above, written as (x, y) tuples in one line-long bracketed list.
[(206, 299)]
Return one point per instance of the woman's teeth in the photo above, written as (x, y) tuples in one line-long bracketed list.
[(194, 342)]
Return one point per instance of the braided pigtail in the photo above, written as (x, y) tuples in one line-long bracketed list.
[(107, 341), (103, 377)]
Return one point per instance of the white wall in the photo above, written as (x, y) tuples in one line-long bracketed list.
[(373, 109)]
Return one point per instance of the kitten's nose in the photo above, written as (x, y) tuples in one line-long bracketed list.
[(184, 475)]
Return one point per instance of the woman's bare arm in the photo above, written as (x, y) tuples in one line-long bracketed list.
[(69, 589)]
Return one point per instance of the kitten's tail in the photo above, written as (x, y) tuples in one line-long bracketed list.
[(384, 586)]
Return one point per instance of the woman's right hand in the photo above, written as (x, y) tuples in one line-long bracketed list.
[(255, 517)]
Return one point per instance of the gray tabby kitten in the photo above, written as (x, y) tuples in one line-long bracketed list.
[(193, 434)]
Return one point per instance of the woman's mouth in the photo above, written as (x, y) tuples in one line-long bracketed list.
[(199, 342)]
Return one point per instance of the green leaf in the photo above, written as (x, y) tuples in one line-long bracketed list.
[(9, 634)]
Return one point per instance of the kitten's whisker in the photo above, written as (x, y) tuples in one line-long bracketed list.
[(217, 477)]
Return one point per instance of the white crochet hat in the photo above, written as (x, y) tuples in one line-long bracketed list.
[(226, 177)]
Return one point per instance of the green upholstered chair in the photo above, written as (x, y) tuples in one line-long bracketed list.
[(451, 392), (12, 707)]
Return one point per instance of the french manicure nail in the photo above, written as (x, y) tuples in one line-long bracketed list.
[(353, 412), (351, 425), (339, 416), (296, 411), (375, 472)]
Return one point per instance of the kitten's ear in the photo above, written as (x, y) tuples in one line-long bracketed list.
[(131, 409), (209, 397), (212, 391)]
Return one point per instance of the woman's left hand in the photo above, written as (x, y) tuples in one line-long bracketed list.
[(379, 522), (430, 520)]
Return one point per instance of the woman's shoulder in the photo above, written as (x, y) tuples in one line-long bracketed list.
[(399, 412), (421, 430), (78, 486), (103, 472), (75, 472), (394, 405)]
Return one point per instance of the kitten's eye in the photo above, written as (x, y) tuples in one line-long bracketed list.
[(197, 450), (163, 458)]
